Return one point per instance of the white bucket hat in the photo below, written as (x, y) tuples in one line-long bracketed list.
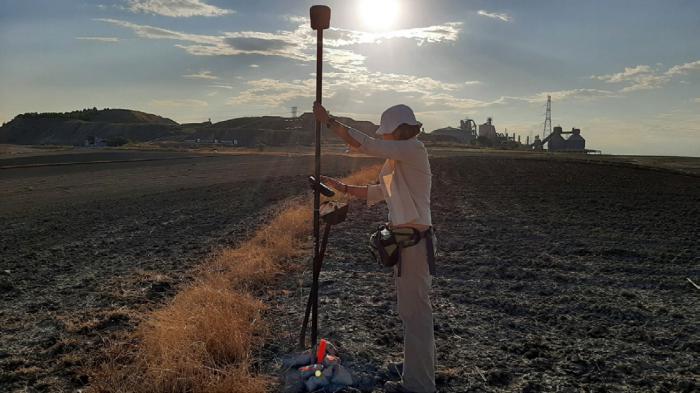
[(394, 117)]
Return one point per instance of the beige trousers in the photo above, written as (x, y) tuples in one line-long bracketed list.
[(416, 312)]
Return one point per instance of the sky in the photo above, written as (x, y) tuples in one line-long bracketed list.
[(626, 72)]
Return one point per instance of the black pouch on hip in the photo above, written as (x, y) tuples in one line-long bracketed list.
[(385, 244)]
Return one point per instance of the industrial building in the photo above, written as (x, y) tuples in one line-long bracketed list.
[(555, 137), (469, 133), (556, 141), (488, 130)]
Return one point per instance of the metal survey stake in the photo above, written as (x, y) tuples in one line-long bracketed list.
[(320, 20)]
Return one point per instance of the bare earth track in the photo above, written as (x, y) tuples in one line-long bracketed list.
[(554, 275)]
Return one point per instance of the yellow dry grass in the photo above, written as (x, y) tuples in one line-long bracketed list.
[(202, 341)]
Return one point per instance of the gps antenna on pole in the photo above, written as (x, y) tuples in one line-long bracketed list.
[(320, 20)]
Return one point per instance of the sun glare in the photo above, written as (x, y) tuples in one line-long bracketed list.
[(379, 14)]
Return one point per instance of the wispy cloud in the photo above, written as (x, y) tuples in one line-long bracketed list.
[(176, 8), (641, 77), (630, 73), (449, 102), (684, 69), (227, 87), (645, 77), (184, 103), (503, 17), (274, 93), (431, 34), (98, 39), (254, 66), (152, 32), (201, 75), (571, 94), (297, 44)]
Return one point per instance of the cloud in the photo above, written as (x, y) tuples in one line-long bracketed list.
[(644, 77), (348, 71), (201, 75), (572, 94), (298, 44), (145, 31), (630, 73), (257, 44), (641, 77), (176, 8), (503, 17), (254, 66), (227, 87), (184, 103), (448, 102), (431, 34), (275, 93), (684, 69), (98, 39), (472, 83)]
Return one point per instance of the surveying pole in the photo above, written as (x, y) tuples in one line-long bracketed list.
[(320, 20)]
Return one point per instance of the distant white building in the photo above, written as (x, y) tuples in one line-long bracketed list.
[(488, 130)]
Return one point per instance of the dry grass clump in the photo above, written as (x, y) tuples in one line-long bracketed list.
[(257, 261), (202, 340), (190, 344)]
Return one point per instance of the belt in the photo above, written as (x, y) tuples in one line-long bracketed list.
[(430, 250)]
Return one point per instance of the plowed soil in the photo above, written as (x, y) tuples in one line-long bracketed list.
[(87, 246), (552, 277)]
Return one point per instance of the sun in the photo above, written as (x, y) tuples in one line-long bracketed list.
[(379, 14)]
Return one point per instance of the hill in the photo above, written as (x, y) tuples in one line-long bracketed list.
[(74, 128), (273, 130)]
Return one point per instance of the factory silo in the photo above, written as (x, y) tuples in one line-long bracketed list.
[(575, 141), (556, 141)]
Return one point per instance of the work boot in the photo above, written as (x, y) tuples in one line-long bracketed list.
[(395, 370), (396, 387)]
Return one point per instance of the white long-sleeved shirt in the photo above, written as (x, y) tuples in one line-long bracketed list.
[(405, 178)]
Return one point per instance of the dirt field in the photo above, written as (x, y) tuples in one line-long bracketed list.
[(553, 275), (85, 247)]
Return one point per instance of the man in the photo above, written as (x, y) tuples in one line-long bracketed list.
[(404, 183)]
